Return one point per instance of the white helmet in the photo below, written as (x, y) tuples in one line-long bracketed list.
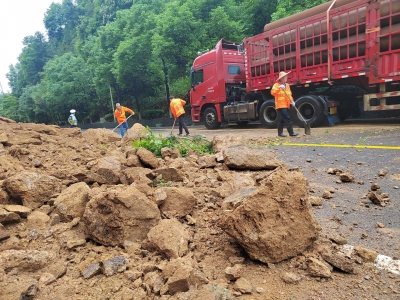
[(72, 111)]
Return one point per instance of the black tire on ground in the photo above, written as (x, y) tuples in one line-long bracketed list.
[(211, 118), (268, 115), (311, 109)]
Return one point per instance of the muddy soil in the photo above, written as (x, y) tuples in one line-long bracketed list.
[(86, 217)]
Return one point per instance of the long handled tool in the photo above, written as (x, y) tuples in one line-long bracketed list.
[(307, 127), (173, 125), (122, 122)]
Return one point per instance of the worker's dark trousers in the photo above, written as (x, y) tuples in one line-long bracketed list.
[(285, 121), (182, 124)]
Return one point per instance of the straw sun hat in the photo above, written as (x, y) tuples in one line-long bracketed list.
[(282, 74)]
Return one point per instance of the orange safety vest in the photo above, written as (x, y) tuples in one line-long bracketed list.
[(281, 100), (121, 118), (176, 106)]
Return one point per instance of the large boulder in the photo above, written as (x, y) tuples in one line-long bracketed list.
[(243, 157), (170, 238), (32, 189), (71, 203), (275, 222), (120, 214)]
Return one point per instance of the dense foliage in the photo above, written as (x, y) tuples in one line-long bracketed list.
[(137, 52)]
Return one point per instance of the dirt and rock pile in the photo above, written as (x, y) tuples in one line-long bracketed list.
[(84, 216)]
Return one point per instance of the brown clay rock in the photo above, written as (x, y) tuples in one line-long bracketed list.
[(4, 198), (133, 161), (8, 217), (243, 157), (22, 211), (71, 203), (180, 273), (24, 138), (147, 158), (275, 222), (317, 268), (221, 141), (33, 189), (134, 133), (366, 254), (339, 261), (27, 260), (101, 136), (139, 175), (178, 202), (207, 161), (168, 153), (9, 166), (169, 174), (109, 168), (119, 214), (170, 238)]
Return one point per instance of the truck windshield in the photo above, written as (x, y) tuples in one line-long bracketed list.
[(196, 77)]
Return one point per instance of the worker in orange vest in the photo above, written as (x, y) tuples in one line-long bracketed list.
[(176, 105), (119, 114), (283, 99)]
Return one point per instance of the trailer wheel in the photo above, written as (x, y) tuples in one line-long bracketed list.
[(268, 115), (311, 109), (211, 118)]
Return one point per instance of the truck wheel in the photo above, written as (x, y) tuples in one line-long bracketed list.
[(211, 118), (268, 115), (311, 109)]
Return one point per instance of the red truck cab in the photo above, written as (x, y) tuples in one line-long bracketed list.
[(217, 78)]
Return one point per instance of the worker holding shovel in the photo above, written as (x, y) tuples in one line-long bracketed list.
[(176, 105), (121, 117), (283, 99)]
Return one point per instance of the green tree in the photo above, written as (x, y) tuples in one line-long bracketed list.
[(33, 58), (66, 84), (9, 107), (287, 8)]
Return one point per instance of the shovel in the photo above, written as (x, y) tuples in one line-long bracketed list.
[(307, 127), (122, 122), (173, 125)]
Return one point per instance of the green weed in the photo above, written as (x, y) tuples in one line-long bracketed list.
[(362, 140), (327, 131), (155, 143)]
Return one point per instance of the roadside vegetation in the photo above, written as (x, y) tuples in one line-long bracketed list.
[(154, 143)]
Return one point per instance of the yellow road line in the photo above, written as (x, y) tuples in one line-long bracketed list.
[(343, 146)]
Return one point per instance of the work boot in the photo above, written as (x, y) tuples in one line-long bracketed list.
[(289, 128), (280, 130)]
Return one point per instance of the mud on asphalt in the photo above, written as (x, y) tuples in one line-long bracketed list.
[(348, 213)]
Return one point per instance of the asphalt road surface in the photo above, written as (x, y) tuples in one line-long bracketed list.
[(349, 213)]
